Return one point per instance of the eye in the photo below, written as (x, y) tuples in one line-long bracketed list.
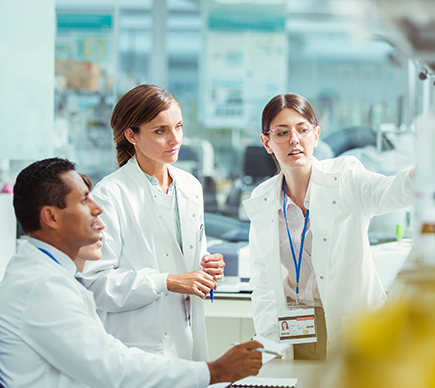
[(159, 131), (282, 132), (84, 200), (304, 130), (179, 126)]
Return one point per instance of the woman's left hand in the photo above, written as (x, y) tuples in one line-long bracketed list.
[(214, 265)]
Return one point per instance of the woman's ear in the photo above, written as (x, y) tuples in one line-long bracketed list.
[(316, 136), (265, 141), (130, 135)]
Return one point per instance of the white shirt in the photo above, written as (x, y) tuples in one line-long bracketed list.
[(51, 336), (308, 289)]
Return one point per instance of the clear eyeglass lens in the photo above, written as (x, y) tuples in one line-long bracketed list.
[(282, 135)]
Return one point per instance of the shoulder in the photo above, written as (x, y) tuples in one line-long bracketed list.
[(266, 186), (336, 165), (115, 182)]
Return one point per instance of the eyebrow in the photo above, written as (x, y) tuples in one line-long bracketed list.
[(297, 125), (165, 126)]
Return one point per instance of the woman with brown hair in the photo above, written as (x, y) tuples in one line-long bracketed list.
[(309, 248), (155, 269)]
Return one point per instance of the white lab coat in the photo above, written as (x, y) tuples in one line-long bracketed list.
[(52, 337), (139, 244), (344, 196)]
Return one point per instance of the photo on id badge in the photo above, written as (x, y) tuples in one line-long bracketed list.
[(296, 324)]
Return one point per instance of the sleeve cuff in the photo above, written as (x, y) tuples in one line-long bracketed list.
[(159, 280), (203, 375)]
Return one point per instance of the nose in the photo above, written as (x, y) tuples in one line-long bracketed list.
[(175, 136), (294, 139), (95, 208)]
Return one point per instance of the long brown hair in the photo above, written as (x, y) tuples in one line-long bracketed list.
[(138, 106)]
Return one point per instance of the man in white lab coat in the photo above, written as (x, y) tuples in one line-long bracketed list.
[(50, 334)]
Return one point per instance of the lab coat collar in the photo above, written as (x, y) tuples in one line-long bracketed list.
[(63, 259), (182, 185)]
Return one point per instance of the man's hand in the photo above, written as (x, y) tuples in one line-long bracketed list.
[(239, 362), (213, 265), (196, 283)]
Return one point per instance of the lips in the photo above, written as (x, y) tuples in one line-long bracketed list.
[(295, 152)]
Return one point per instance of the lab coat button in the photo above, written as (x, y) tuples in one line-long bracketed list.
[(321, 278), (324, 240), (191, 246), (165, 334), (265, 199), (335, 178), (333, 202), (167, 254)]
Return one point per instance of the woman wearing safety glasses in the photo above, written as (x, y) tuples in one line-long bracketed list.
[(309, 249)]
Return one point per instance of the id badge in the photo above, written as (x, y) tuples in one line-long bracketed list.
[(296, 324)]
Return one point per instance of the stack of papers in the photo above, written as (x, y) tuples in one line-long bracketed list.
[(265, 382)]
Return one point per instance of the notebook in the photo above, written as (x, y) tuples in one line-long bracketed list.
[(265, 382)]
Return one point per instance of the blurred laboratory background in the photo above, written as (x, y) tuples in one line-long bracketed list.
[(366, 66)]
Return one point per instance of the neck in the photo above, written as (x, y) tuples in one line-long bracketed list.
[(57, 243), (80, 264), (296, 185), (161, 172)]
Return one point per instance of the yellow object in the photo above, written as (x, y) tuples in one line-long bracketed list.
[(394, 347)]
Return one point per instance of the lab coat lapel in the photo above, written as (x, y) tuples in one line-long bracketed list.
[(263, 213), (188, 209)]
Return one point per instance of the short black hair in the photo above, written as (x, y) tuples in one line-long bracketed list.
[(39, 185)]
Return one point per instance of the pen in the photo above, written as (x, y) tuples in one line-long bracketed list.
[(211, 295), (262, 350)]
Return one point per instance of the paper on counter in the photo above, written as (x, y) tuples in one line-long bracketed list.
[(270, 345)]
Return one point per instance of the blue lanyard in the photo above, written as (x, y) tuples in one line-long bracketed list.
[(297, 263), (49, 255)]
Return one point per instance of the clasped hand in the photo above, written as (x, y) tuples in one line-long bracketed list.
[(199, 282)]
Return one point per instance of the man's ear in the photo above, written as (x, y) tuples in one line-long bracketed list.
[(49, 217), (265, 141)]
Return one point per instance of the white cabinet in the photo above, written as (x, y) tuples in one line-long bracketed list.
[(228, 319)]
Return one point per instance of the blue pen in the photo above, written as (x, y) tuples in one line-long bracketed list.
[(211, 295)]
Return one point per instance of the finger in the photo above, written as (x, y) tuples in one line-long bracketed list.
[(204, 275), (205, 287), (214, 264), (251, 345), (213, 271), (215, 258)]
